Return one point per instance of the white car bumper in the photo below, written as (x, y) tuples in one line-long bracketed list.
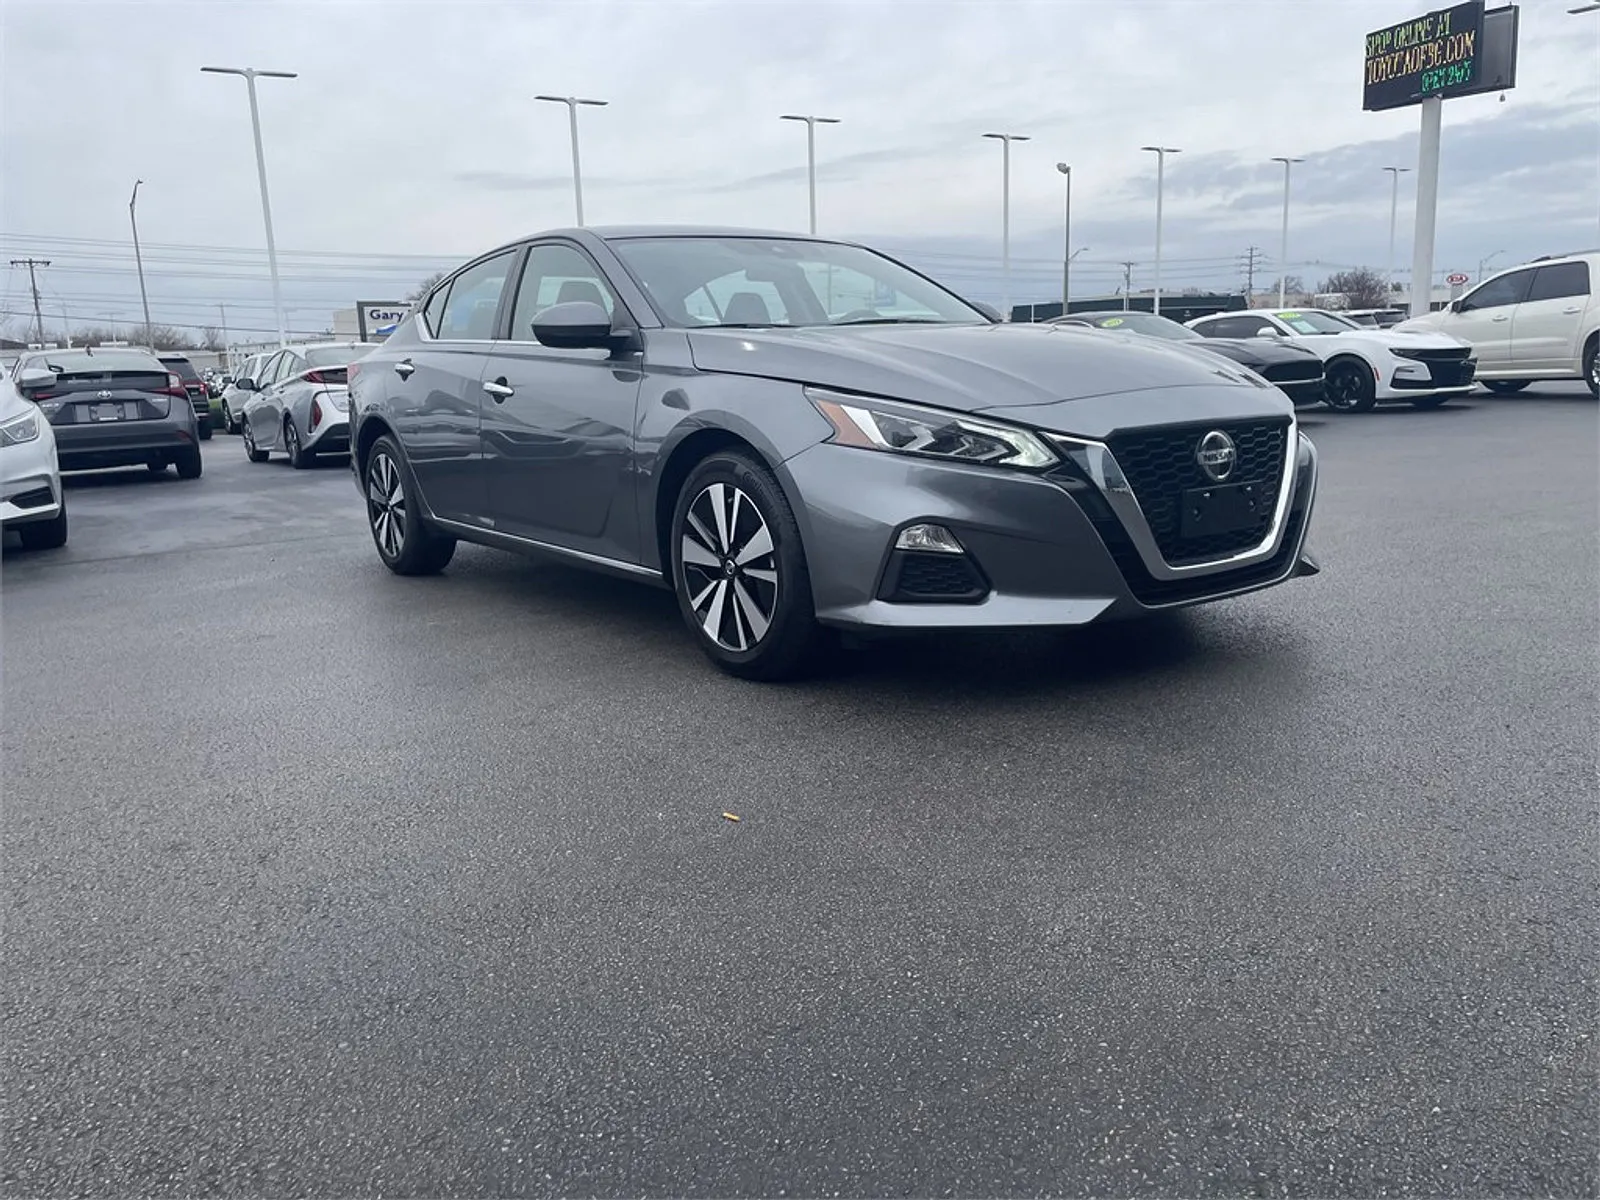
[(30, 480)]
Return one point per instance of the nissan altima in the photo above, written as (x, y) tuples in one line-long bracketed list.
[(800, 436)]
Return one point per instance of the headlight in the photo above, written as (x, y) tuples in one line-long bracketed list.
[(927, 432), (19, 429)]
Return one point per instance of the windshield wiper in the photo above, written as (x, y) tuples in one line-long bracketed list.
[(744, 325), (894, 321)]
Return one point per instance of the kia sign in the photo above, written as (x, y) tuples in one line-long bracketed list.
[(1456, 280), (376, 319), (1438, 54)]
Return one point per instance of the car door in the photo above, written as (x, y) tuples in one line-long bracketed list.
[(1482, 318), (258, 404), (1545, 326), (276, 401), (433, 387), (558, 423)]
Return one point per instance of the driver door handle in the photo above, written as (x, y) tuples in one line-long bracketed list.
[(499, 389), (403, 368), (1501, 317), (1569, 311)]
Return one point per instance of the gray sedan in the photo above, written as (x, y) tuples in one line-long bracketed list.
[(800, 437), (299, 403)]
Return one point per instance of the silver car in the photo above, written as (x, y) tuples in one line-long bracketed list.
[(299, 403), (800, 436), (238, 390)]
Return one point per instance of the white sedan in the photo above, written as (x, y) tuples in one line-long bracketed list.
[(300, 403), (31, 499), (1362, 365)]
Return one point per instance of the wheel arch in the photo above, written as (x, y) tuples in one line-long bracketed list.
[(684, 456), (372, 428)]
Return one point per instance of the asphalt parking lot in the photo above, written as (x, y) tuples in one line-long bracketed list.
[(322, 881)]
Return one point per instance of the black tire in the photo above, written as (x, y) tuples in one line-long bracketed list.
[(299, 459), (189, 463), (46, 535), (732, 590), (251, 452), (204, 430), (230, 423), (1505, 387), (1591, 366), (405, 542), (159, 467), (1348, 386)]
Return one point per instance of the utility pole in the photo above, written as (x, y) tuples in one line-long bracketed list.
[(138, 260), (1250, 256), (1127, 282), (33, 280)]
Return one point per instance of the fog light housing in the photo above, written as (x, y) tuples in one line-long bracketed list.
[(928, 538)]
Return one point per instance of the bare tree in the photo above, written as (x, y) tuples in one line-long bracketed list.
[(423, 288), (1364, 287), (211, 338)]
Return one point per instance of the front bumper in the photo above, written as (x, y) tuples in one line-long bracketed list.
[(30, 484), (1058, 548), (1412, 377)]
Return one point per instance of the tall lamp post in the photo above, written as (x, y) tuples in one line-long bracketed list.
[(250, 75), (138, 259), (1394, 209), (1283, 242), (572, 103), (811, 157), (1161, 153), (1005, 140), (1066, 240), (1483, 263)]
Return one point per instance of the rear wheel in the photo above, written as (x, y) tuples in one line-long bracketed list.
[(46, 535), (189, 463), (1591, 366), (739, 572), (252, 452), (298, 458), (1504, 387), (406, 543), (1349, 386), (203, 425)]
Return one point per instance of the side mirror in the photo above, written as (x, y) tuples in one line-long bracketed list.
[(575, 325), (35, 379), (1268, 332), (1457, 306), (246, 384)]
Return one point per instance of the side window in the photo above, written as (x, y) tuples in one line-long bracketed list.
[(269, 369), (1236, 327), (1559, 281), (1508, 289), (556, 274), (474, 297), (433, 314)]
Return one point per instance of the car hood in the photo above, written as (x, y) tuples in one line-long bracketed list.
[(1256, 352), (1396, 338), (1057, 377)]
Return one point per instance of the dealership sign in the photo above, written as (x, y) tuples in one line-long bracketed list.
[(376, 319), (1457, 51)]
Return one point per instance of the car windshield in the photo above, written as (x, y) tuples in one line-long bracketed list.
[(1146, 323), (338, 356), (1315, 321), (754, 282)]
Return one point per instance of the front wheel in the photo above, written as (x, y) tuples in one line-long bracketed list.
[(405, 542), (1349, 387), (1504, 387), (203, 430), (739, 571), (1591, 366)]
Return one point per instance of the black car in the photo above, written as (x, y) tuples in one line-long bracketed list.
[(199, 396), (1294, 370), (113, 408)]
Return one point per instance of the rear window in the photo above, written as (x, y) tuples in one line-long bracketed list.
[(64, 362), (181, 367), (338, 356)]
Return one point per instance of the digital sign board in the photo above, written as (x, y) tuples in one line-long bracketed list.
[(1437, 54)]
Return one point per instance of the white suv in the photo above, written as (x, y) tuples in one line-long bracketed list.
[(1539, 321)]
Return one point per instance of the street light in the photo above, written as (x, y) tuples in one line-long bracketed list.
[(572, 103), (249, 75), (144, 298), (1005, 140), (1585, 8), (1484, 262), (1283, 243), (1161, 153), (1394, 208), (811, 157), (1066, 241)]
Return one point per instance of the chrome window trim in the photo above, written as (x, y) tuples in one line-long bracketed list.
[(1096, 460), (472, 532)]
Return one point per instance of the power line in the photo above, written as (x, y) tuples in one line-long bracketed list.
[(1252, 256)]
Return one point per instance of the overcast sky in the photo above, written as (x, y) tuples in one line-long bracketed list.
[(411, 138)]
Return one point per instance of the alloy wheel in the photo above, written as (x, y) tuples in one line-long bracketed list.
[(386, 505), (291, 439), (1343, 390), (249, 439), (730, 567)]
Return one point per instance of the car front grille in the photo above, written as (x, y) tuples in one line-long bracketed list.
[(1160, 465), (915, 577), (1445, 354)]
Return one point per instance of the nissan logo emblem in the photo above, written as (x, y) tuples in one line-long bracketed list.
[(1216, 455)]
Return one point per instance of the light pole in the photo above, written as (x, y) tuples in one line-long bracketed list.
[(1161, 153), (1283, 242), (1005, 140), (223, 309), (144, 299), (1484, 262), (811, 157), (249, 75), (1394, 209), (1066, 240), (572, 103)]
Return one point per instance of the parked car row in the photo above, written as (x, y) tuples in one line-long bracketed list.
[(293, 400)]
